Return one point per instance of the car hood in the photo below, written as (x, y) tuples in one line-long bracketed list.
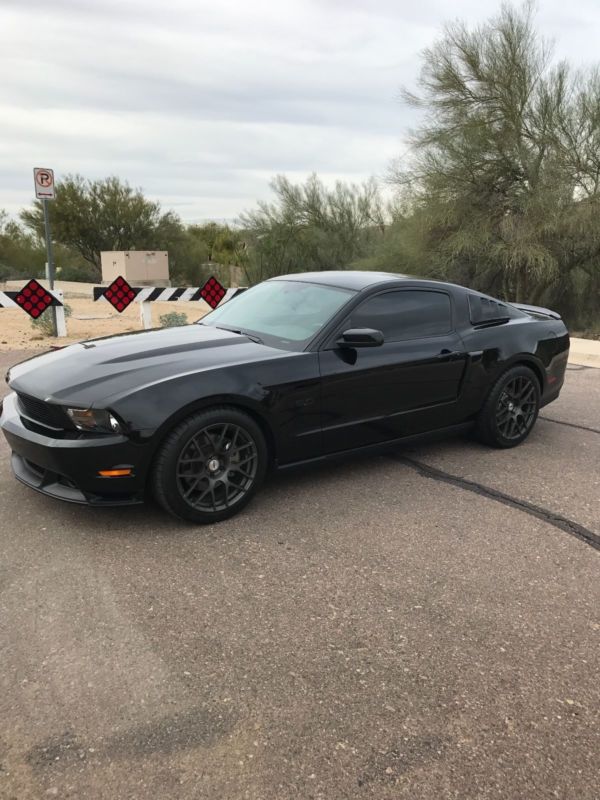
[(89, 373)]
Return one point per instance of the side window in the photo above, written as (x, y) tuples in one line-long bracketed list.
[(409, 314)]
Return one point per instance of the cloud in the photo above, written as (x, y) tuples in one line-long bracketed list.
[(202, 103)]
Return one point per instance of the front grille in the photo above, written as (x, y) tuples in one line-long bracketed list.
[(43, 413)]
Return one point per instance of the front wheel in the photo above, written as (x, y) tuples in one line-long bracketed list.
[(510, 411), (210, 465)]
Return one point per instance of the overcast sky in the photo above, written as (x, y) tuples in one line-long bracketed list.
[(201, 103)]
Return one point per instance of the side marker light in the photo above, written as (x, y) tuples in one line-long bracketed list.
[(115, 473)]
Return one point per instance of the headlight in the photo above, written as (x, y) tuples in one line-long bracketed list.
[(94, 419)]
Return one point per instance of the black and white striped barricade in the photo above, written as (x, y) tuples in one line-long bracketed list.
[(120, 294), (34, 299)]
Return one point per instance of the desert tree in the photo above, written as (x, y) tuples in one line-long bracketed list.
[(89, 216), (310, 226)]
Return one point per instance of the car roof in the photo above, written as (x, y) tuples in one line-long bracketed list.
[(356, 280)]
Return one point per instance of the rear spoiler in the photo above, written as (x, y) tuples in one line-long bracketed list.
[(544, 312)]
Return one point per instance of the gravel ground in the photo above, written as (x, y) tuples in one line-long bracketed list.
[(421, 625)]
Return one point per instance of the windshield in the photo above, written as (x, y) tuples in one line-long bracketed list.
[(284, 314)]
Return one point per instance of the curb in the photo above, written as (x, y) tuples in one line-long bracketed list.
[(585, 352)]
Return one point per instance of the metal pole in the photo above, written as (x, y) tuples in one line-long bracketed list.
[(50, 259)]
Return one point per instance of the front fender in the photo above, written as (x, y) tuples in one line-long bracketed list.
[(281, 394), (151, 409)]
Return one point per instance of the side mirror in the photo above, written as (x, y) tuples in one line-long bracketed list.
[(360, 337)]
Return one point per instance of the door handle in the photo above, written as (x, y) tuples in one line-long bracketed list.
[(448, 355)]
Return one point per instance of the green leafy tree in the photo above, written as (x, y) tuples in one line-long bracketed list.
[(205, 249), (91, 216), (502, 186), (21, 253), (311, 227)]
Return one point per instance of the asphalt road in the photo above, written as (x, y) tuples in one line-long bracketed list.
[(424, 624)]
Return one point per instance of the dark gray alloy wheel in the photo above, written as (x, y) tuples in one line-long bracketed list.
[(516, 408), (216, 467), (210, 466), (511, 408)]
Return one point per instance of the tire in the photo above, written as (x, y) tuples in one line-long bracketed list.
[(210, 466), (511, 409)]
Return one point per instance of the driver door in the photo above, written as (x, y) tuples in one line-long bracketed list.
[(407, 385)]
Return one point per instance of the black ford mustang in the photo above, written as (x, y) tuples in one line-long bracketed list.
[(298, 368)]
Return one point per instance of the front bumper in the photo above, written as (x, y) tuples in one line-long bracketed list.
[(67, 469)]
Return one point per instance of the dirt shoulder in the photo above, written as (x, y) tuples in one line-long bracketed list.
[(88, 320)]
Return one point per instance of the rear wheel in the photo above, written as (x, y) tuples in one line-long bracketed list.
[(511, 409), (210, 465)]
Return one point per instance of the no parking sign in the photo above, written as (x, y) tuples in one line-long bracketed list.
[(43, 179)]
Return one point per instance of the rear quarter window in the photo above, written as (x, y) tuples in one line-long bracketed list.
[(484, 310)]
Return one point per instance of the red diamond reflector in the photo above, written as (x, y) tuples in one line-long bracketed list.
[(119, 294), (213, 292), (33, 299)]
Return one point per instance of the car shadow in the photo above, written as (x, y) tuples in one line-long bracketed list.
[(294, 485)]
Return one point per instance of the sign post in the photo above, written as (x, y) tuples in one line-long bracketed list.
[(44, 190)]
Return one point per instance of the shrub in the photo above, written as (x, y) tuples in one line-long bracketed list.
[(43, 323), (81, 273), (173, 319), (4, 272)]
